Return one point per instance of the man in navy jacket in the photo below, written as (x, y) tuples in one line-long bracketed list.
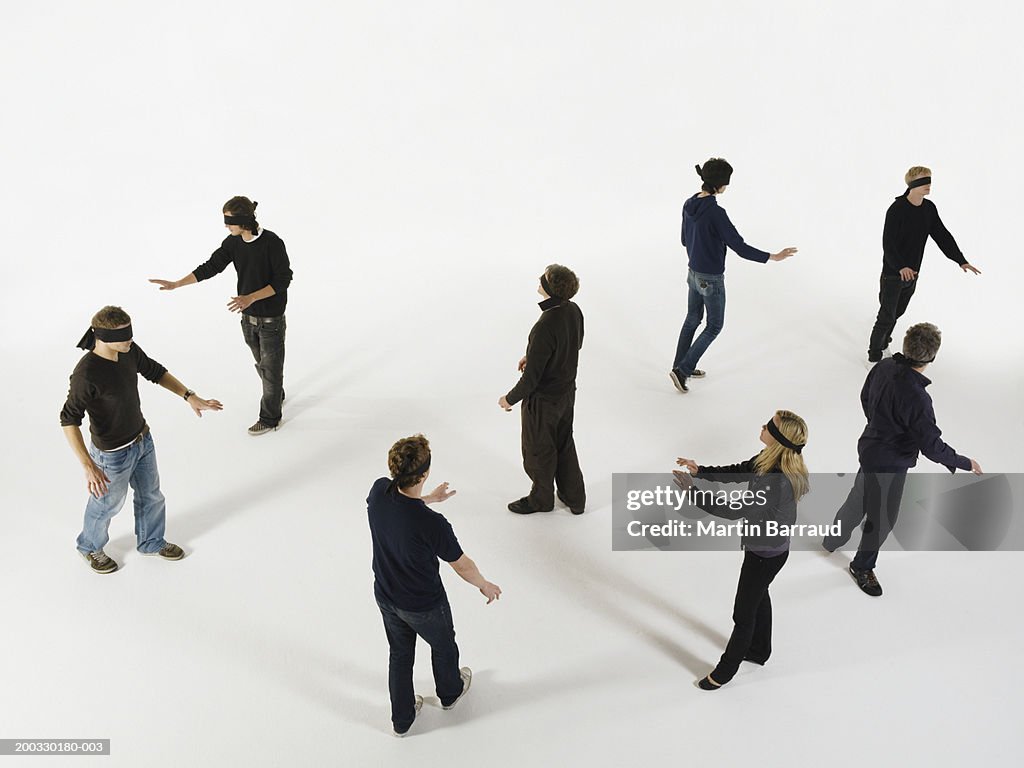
[(901, 424)]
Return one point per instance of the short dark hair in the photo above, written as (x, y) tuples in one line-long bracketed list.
[(407, 454), (563, 281), (715, 174), (242, 206), (110, 317), (922, 342)]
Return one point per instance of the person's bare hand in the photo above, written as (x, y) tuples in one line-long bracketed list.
[(522, 364), (976, 467), (165, 285), (907, 274), (491, 591), (785, 253), (441, 493), (239, 303), (198, 405), (690, 464), (96, 479), (969, 268), (683, 479), (503, 403)]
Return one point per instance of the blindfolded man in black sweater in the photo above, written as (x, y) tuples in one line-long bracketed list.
[(909, 222)]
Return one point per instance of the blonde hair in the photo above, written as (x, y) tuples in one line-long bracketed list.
[(917, 172), (789, 461), (110, 317)]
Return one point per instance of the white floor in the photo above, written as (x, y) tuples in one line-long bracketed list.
[(423, 168)]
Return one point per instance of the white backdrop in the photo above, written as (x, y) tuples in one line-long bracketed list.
[(423, 163)]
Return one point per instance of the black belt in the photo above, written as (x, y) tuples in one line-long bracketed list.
[(254, 320)]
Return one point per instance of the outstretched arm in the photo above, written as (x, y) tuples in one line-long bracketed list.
[(196, 403), (467, 569)]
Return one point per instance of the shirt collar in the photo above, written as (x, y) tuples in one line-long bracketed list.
[(549, 303), (901, 360)]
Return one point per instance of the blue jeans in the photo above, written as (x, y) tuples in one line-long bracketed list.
[(134, 466), (705, 291), (265, 339), (402, 627)]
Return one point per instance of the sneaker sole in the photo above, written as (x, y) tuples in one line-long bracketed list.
[(262, 431), (678, 384), (157, 554)]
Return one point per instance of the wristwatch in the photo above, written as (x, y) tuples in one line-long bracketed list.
[(188, 394)]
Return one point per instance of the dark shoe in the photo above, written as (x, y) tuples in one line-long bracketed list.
[(867, 582), (522, 507), (99, 562), (697, 374), (169, 552), (419, 706), (705, 684), (574, 510), (467, 678), (259, 428), (679, 380)]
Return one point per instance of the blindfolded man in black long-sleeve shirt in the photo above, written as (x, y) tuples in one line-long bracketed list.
[(909, 222)]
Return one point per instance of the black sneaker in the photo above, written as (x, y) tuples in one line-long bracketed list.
[(697, 374), (574, 510), (679, 380), (99, 562), (522, 507), (467, 678), (867, 582), (419, 706)]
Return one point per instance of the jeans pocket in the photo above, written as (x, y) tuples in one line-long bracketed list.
[(113, 461)]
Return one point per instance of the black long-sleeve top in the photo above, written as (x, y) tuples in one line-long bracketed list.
[(901, 420), (906, 232), (109, 392), (259, 263), (552, 353), (779, 505)]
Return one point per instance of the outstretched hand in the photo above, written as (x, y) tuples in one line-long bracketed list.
[(165, 285), (976, 467), (969, 268), (503, 404), (684, 480), (239, 303), (198, 405), (441, 493), (785, 253), (690, 464)]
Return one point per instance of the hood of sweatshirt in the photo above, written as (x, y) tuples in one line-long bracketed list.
[(696, 206)]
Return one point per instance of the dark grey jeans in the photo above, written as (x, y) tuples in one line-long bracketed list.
[(265, 337)]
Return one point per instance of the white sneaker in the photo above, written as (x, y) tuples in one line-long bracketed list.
[(467, 678), (886, 353), (419, 706)]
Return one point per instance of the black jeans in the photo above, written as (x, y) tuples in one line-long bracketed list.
[(874, 499), (549, 451), (265, 337), (435, 626), (893, 297), (751, 615)]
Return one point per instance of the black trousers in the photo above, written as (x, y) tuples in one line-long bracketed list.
[(265, 339), (893, 297), (549, 451), (751, 615), (874, 500)]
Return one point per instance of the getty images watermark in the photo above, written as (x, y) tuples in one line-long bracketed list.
[(936, 512)]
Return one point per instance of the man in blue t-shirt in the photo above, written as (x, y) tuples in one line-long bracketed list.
[(408, 538)]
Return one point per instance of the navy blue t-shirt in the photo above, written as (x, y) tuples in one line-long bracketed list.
[(408, 538)]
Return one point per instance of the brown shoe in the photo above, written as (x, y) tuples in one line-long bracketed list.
[(99, 562), (169, 552)]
